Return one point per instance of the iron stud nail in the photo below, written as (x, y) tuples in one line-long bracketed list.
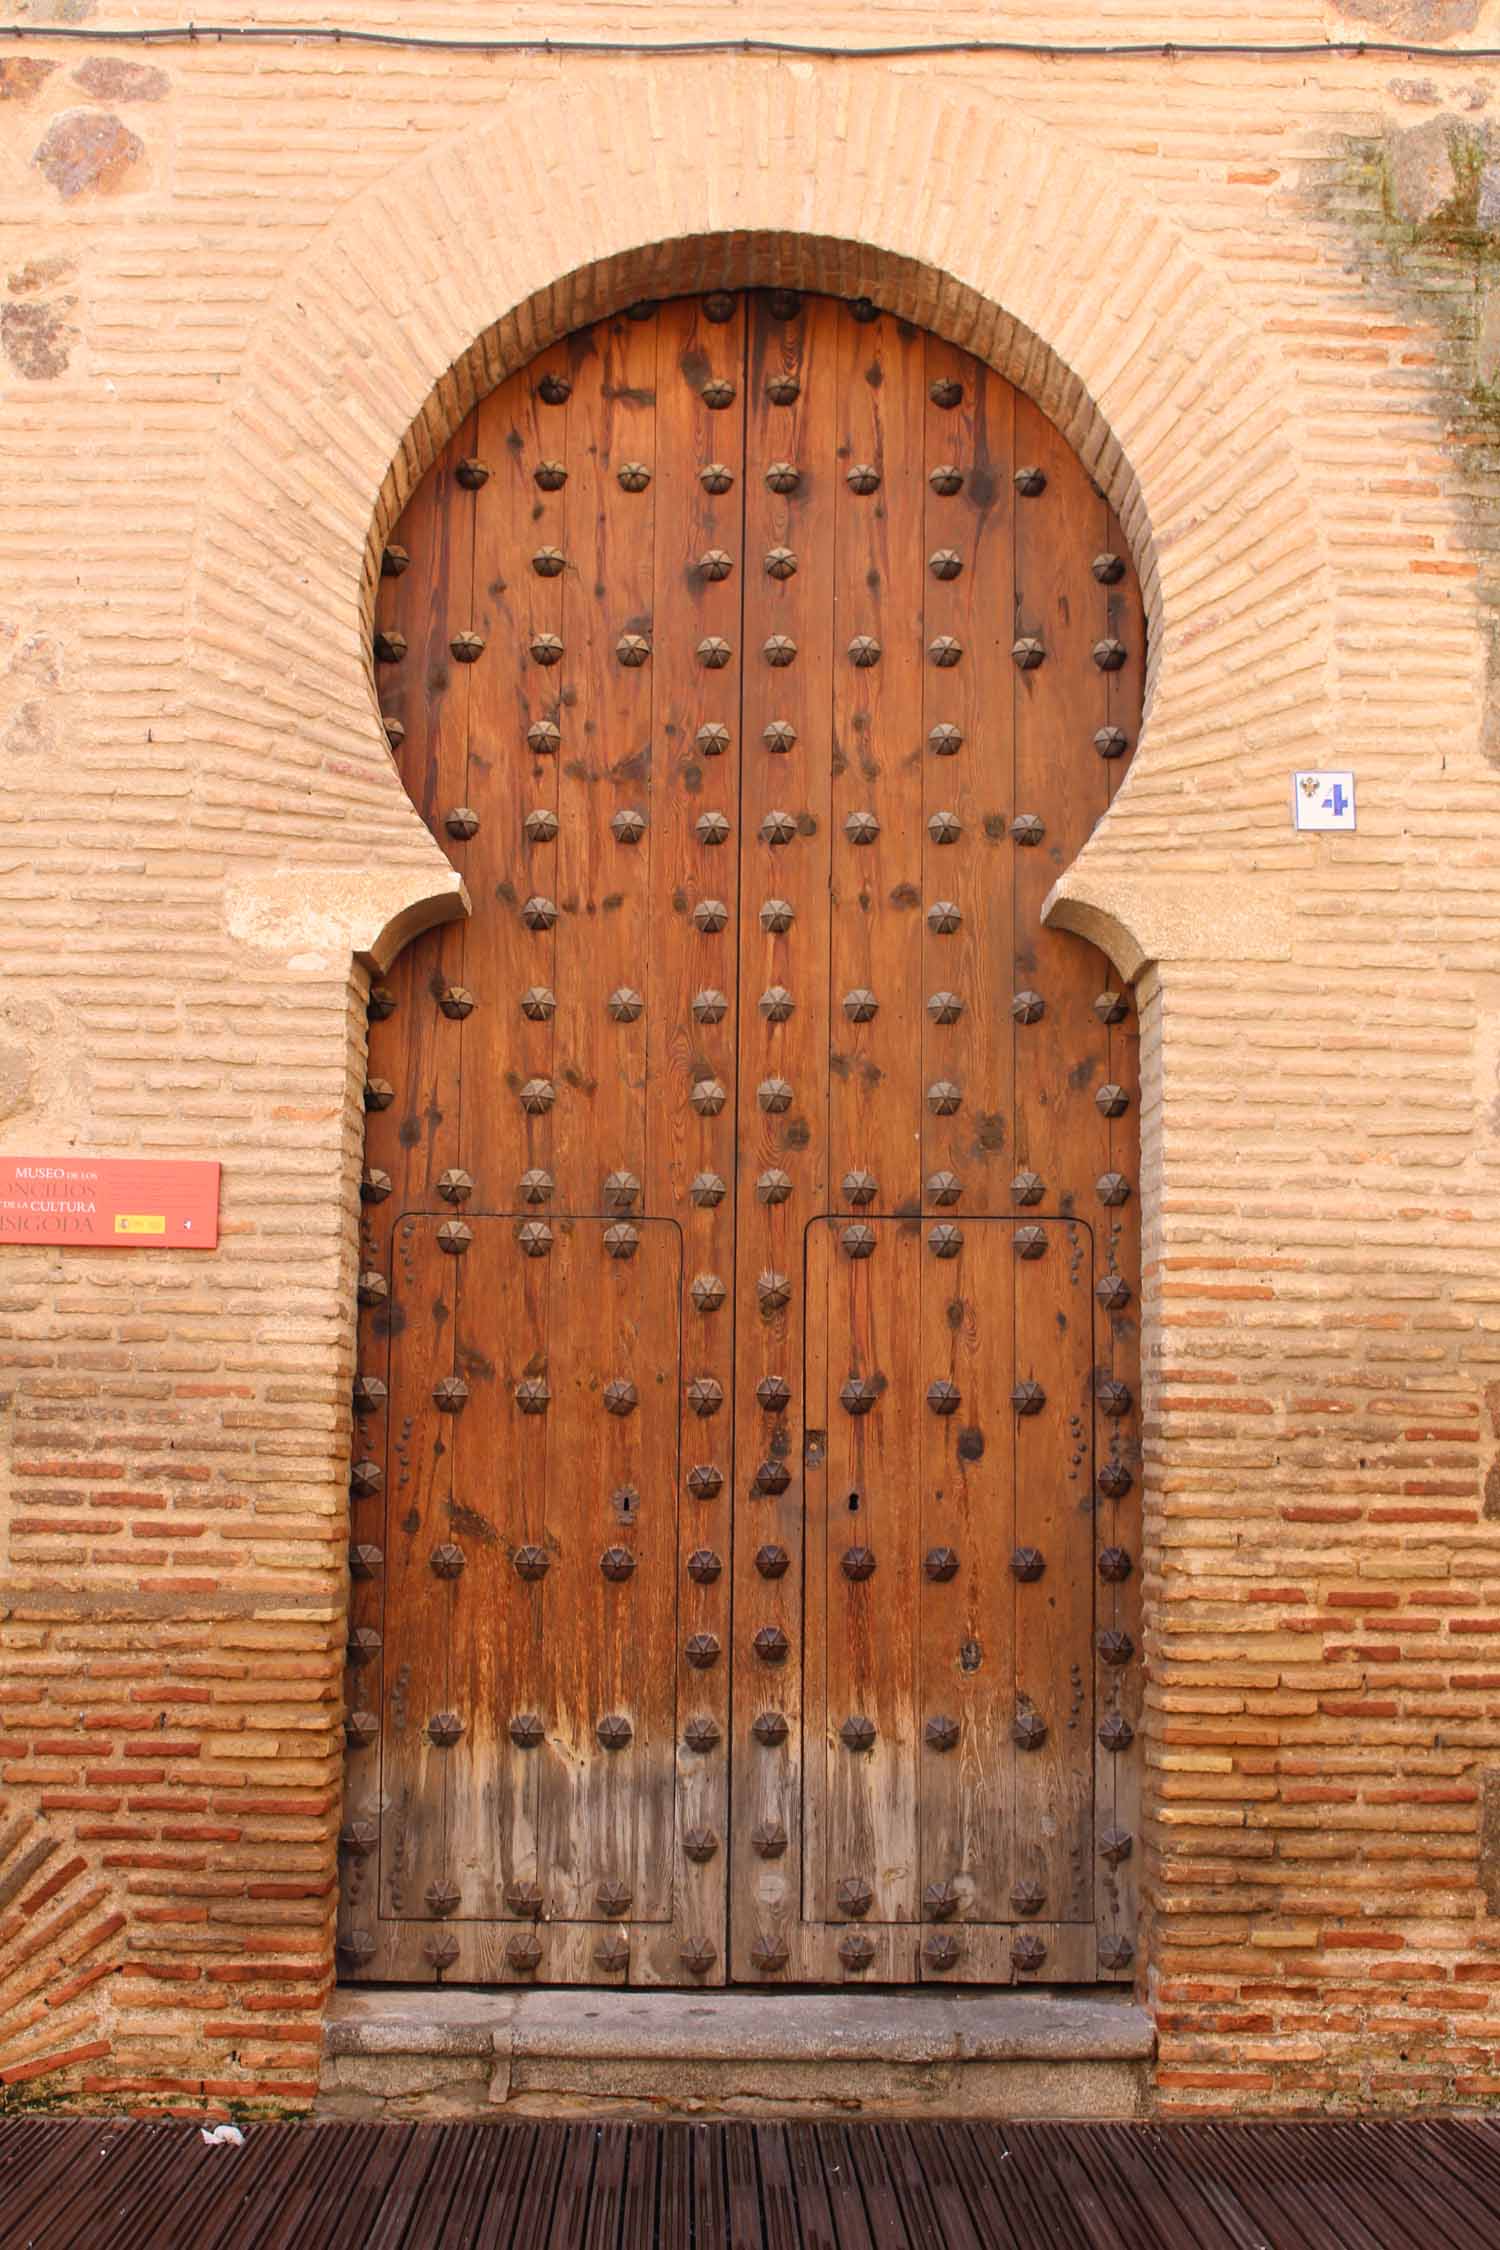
[(946, 479), (467, 648), (393, 561), (769, 1839), (712, 739), (1027, 1564), (1111, 742), (375, 1185), (1027, 652)]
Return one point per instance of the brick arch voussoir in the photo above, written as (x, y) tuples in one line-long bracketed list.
[(953, 211)]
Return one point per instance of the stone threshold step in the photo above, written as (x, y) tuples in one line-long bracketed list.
[(430, 2053)]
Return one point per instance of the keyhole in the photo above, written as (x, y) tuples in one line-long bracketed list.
[(854, 1503)]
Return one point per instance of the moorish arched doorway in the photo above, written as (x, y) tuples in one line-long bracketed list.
[(746, 1455)]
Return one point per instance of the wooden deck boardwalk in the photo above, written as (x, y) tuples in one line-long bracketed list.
[(1376, 2185)]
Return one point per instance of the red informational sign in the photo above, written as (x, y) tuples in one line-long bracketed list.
[(119, 1202)]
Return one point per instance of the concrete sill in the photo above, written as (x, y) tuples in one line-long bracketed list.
[(426, 2053)]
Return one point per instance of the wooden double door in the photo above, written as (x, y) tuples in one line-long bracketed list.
[(745, 1439)]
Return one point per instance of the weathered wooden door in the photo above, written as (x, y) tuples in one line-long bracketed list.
[(745, 1419)]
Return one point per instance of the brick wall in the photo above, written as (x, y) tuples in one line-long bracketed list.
[(244, 294)]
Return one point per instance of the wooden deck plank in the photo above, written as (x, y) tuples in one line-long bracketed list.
[(1369, 2184), (674, 2219), (778, 2195), (1440, 2160), (814, 2205), (1190, 2218)]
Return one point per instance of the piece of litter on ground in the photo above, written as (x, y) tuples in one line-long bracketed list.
[(220, 2136)]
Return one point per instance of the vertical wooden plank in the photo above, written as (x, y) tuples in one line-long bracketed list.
[(507, 1043), (591, 1797), (414, 1051), (783, 1180), (607, 1644), (968, 1655), (1062, 1138), (876, 1095), (417, 1881), (693, 1025), (499, 1484), (874, 1469), (1117, 1326), (967, 1608)]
